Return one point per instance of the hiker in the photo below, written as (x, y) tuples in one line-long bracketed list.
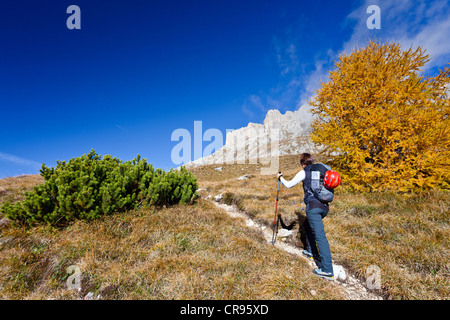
[(318, 247)]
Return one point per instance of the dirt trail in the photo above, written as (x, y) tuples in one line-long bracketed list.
[(353, 288)]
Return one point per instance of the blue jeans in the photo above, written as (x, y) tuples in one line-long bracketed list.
[(317, 242)]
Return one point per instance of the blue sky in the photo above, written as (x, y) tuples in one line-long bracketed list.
[(138, 70)]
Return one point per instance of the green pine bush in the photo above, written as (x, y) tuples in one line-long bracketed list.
[(89, 187)]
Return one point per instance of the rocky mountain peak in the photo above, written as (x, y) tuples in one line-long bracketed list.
[(291, 131)]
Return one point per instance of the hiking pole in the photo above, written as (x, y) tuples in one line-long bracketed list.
[(275, 221)]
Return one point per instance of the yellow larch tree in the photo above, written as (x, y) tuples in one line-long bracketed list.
[(385, 125)]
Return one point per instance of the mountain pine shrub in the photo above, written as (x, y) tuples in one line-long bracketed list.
[(386, 126), (90, 187)]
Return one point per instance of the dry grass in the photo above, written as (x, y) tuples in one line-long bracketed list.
[(181, 252), (406, 236), (198, 252), (13, 189)]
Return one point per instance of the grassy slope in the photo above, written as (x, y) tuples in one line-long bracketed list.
[(198, 252), (406, 236), (182, 252)]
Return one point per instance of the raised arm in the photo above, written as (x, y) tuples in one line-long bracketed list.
[(297, 179)]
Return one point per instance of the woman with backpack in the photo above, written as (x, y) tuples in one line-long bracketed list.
[(318, 248)]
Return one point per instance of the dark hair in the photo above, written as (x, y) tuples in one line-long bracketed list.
[(306, 159)]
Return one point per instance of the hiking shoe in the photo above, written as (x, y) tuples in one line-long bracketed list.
[(326, 275), (308, 254)]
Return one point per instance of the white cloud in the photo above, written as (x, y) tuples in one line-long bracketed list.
[(287, 58), (253, 104), (412, 23), (18, 160), (320, 73), (434, 38)]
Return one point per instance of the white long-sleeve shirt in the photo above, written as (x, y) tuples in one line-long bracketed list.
[(297, 179)]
